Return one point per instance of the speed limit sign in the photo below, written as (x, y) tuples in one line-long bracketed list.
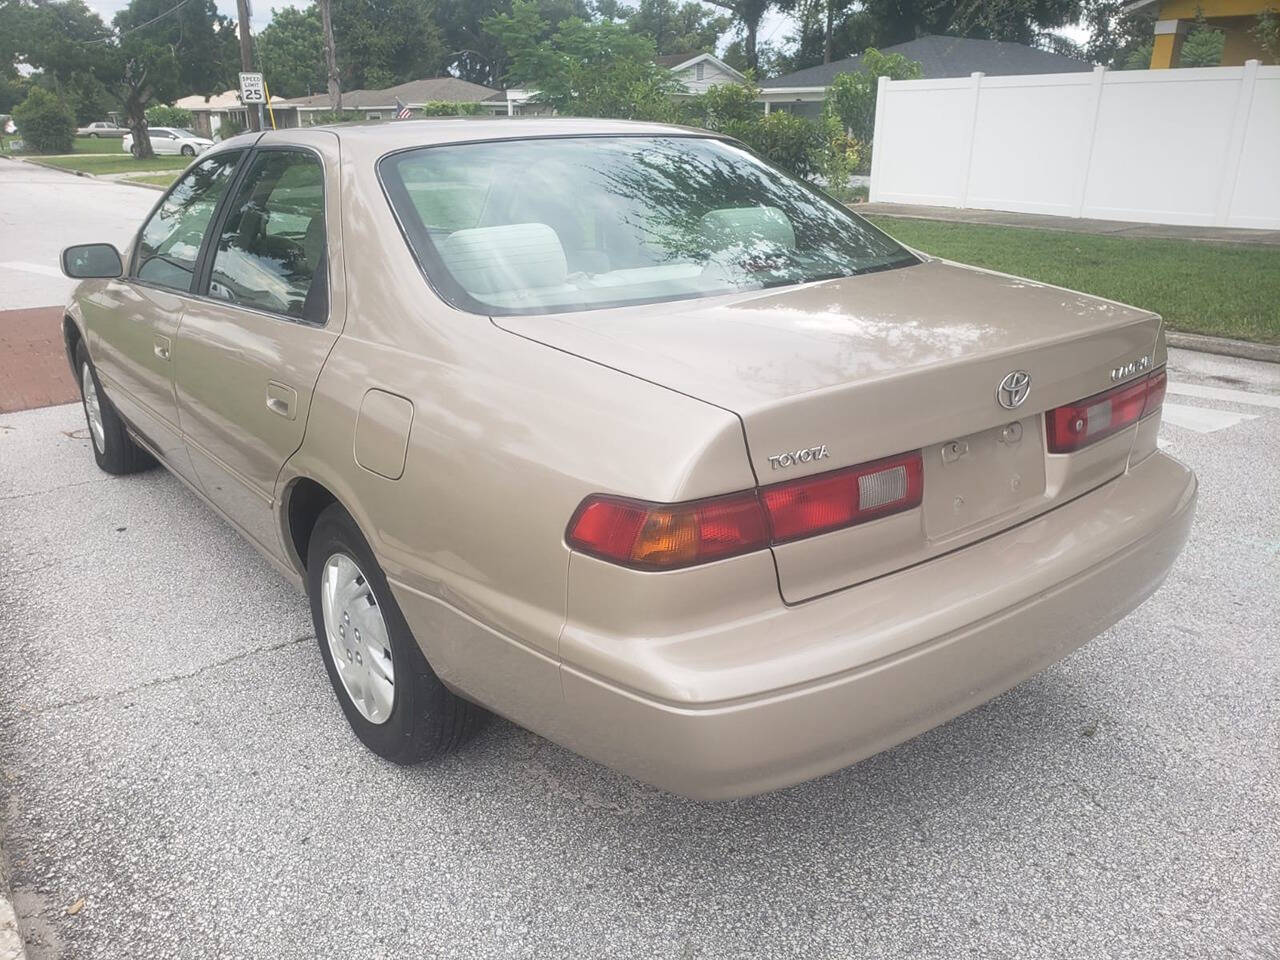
[(252, 89)]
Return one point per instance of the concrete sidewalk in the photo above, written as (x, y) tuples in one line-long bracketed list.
[(1115, 228)]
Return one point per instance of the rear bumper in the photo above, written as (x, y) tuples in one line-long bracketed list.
[(920, 646)]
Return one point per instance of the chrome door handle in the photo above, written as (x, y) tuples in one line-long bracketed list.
[(160, 346), (282, 399)]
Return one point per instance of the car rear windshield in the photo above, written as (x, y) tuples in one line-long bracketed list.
[(561, 224)]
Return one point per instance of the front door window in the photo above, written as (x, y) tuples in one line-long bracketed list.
[(170, 242)]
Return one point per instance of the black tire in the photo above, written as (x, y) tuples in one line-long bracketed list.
[(93, 136), (118, 454), (426, 718), (188, 151)]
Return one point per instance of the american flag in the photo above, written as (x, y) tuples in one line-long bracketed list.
[(402, 111)]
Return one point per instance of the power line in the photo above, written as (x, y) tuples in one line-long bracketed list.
[(120, 36)]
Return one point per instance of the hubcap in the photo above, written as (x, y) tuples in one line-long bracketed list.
[(357, 637), (93, 408)]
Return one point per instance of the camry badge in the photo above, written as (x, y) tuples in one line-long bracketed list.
[(1013, 389), (1127, 370), (803, 455)]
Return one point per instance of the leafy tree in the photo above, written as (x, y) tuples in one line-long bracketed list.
[(1118, 38), (291, 52), (747, 15), (1139, 58), (385, 42), (1266, 33), (476, 54), (851, 98), (45, 122), (156, 52), (584, 69), (676, 27), (12, 92)]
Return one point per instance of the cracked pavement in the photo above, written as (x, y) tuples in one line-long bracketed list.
[(171, 754)]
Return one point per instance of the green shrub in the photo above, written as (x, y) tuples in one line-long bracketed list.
[(851, 98), (230, 127), (339, 116), (443, 108), (45, 121), (161, 115)]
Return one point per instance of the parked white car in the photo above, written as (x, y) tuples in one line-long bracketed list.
[(173, 140)]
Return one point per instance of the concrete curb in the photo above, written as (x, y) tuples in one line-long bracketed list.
[(11, 947), (1224, 347), (92, 176)]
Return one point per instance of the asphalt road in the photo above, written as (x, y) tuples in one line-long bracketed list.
[(176, 779), (42, 211)]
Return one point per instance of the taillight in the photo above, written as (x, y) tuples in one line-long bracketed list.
[(664, 536), (1089, 420), (842, 498), (660, 536)]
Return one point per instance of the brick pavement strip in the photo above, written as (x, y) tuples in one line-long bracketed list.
[(33, 361)]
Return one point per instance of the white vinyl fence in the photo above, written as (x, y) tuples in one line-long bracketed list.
[(1186, 146)]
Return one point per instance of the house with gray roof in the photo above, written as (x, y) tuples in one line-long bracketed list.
[(802, 92), (381, 104)]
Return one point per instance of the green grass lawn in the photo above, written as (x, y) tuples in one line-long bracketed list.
[(159, 179), (98, 145), (118, 162), (1226, 290)]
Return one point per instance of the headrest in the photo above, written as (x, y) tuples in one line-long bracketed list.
[(742, 226), (512, 257)]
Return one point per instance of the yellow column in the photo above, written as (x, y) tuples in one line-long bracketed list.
[(1167, 43)]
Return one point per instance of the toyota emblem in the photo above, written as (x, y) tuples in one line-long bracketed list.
[(1013, 389)]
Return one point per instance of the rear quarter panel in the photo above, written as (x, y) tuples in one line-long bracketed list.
[(507, 437)]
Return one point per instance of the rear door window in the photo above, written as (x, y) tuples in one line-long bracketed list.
[(270, 253), (169, 244)]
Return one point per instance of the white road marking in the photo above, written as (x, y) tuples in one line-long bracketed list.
[(41, 268), (1202, 419), (1222, 393)]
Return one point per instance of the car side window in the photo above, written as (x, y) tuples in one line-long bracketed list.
[(270, 254), (169, 244)]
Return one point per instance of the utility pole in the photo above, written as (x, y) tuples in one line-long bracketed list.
[(330, 58), (246, 56)]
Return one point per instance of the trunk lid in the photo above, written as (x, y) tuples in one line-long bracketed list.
[(870, 366)]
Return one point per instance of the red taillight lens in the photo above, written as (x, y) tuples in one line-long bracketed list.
[(658, 536), (842, 498), (662, 536), (1086, 421)]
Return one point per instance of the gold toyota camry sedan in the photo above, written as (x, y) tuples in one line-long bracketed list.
[(617, 431)]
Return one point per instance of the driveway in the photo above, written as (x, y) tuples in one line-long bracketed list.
[(176, 779)]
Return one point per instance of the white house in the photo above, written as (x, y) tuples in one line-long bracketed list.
[(207, 113), (699, 72)]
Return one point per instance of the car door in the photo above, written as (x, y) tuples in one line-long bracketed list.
[(132, 321), (250, 349)]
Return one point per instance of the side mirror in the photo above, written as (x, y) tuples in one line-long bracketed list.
[(87, 261)]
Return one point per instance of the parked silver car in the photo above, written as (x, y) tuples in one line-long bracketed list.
[(101, 128)]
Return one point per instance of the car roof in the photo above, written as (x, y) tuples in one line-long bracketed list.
[(387, 135)]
